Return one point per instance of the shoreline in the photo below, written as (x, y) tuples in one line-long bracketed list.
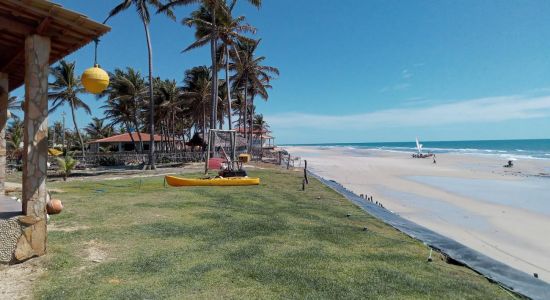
[(463, 197)]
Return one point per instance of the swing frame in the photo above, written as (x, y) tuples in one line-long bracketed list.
[(211, 147)]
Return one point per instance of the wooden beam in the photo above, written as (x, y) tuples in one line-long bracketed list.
[(15, 26), (12, 60), (43, 25)]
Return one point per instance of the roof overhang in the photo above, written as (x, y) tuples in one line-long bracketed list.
[(68, 31)]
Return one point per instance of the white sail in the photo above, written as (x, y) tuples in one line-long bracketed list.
[(418, 146)]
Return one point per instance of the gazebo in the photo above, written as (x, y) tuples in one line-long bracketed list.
[(33, 35)]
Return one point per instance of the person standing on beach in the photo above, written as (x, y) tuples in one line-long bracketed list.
[(434, 159)]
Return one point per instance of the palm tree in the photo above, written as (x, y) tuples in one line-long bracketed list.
[(65, 90), (170, 99), (14, 134), (214, 6), (260, 123), (98, 130), (127, 93), (65, 166), (14, 104), (228, 31), (120, 113), (197, 83), (251, 76), (142, 8)]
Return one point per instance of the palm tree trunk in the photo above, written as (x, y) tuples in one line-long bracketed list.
[(213, 46), (136, 127), (78, 132), (174, 131), (245, 109), (132, 137), (240, 122), (151, 101), (203, 121), (251, 121), (228, 86)]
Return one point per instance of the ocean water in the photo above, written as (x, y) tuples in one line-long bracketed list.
[(534, 149)]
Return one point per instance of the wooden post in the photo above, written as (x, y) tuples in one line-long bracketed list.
[(305, 172), (207, 154), (280, 157), (288, 162)]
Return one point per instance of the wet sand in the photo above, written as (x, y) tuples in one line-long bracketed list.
[(501, 212)]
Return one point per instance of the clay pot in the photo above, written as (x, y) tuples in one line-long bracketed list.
[(54, 206)]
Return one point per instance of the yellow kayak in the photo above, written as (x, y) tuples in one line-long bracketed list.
[(228, 181)]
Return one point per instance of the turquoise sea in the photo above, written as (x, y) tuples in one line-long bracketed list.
[(534, 149)]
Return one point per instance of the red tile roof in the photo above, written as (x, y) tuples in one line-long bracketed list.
[(125, 138)]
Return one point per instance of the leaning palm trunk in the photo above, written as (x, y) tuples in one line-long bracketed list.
[(151, 101), (132, 137), (78, 133), (228, 87)]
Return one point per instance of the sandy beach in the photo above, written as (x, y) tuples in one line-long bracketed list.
[(501, 212)]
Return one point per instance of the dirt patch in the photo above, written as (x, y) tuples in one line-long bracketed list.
[(16, 280), (95, 252), (53, 227)]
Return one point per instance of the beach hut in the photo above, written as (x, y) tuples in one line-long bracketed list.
[(33, 35)]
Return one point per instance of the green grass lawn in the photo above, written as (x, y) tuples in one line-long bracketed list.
[(135, 239)]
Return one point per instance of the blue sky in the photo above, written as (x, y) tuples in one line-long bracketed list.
[(369, 71)]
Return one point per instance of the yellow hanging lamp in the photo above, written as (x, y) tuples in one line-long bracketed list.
[(95, 80)]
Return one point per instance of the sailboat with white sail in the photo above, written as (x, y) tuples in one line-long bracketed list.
[(419, 153)]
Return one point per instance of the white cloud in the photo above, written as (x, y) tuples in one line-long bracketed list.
[(482, 110), (395, 87), (406, 74)]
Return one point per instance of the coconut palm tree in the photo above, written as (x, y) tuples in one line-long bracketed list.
[(197, 83), (14, 104), (14, 134), (65, 89), (228, 30), (170, 101), (142, 8), (214, 6), (251, 76), (65, 166), (98, 130), (260, 123), (128, 92), (120, 113)]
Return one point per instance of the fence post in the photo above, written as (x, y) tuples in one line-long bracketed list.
[(288, 162), (280, 157), (305, 172)]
